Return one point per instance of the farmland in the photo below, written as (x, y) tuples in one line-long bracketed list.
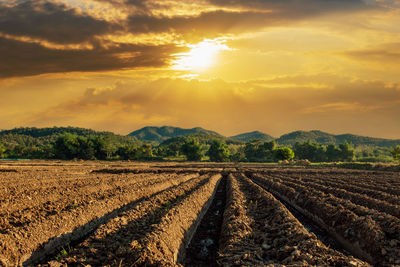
[(196, 214)]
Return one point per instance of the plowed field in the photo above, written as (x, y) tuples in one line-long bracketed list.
[(188, 214)]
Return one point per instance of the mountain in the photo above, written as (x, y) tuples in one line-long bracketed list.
[(316, 136), (160, 134), (256, 135)]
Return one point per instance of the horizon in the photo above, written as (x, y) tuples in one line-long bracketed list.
[(225, 135), (229, 66)]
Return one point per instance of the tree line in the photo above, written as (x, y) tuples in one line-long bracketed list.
[(68, 146), (102, 147)]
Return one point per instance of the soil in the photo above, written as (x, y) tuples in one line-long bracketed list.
[(203, 248), (369, 234), (271, 234), (166, 214)]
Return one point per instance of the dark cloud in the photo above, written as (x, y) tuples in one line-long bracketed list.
[(24, 59), (207, 23), (133, 6), (60, 24), (309, 6), (385, 54), (261, 14), (51, 21)]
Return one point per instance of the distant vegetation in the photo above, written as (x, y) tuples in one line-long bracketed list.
[(327, 139), (198, 144), (396, 153), (160, 134), (256, 135)]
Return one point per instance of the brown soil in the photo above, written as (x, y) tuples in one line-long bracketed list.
[(34, 230), (270, 233), (203, 248), (129, 213), (112, 242), (368, 233)]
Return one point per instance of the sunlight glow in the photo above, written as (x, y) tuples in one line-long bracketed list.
[(201, 57)]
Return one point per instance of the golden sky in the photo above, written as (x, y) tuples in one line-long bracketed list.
[(231, 66)]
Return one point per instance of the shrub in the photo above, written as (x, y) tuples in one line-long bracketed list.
[(283, 153)]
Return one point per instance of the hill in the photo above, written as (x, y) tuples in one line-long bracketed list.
[(256, 135), (42, 132), (326, 139), (160, 134), (32, 136)]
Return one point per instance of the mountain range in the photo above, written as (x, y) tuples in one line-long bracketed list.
[(162, 134)]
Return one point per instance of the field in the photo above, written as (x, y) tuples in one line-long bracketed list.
[(196, 214)]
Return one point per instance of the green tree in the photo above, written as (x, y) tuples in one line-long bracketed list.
[(283, 153), (238, 155), (395, 151), (218, 151), (86, 148), (66, 146), (2, 151), (104, 147), (192, 149), (332, 153), (311, 151), (126, 152), (257, 151), (250, 151), (347, 152), (146, 152)]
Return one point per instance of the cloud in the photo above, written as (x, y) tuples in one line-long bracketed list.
[(340, 106), (206, 24), (46, 36), (51, 21), (388, 54), (255, 15), (297, 6), (25, 59), (230, 108)]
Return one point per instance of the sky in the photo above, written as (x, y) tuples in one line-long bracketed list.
[(231, 66)]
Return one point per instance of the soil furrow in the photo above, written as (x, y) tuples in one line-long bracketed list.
[(128, 239), (373, 236), (203, 248), (349, 182), (18, 245), (259, 230), (57, 199), (356, 198)]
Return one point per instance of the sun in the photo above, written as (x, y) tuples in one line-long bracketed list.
[(201, 56)]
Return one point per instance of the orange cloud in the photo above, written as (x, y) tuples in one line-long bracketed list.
[(231, 108)]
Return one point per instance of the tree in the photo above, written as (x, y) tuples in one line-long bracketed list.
[(191, 148), (257, 151), (311, 151), (346, 151), (86, 148), (104, 147), (126, 152), (2, 151), (283, 153), (332, 153), (146, 152), (395, 151), (250, 150), (66, 146), (218, 151), (238, 155)]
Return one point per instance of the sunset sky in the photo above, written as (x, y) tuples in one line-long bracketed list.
[(231, 66)]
